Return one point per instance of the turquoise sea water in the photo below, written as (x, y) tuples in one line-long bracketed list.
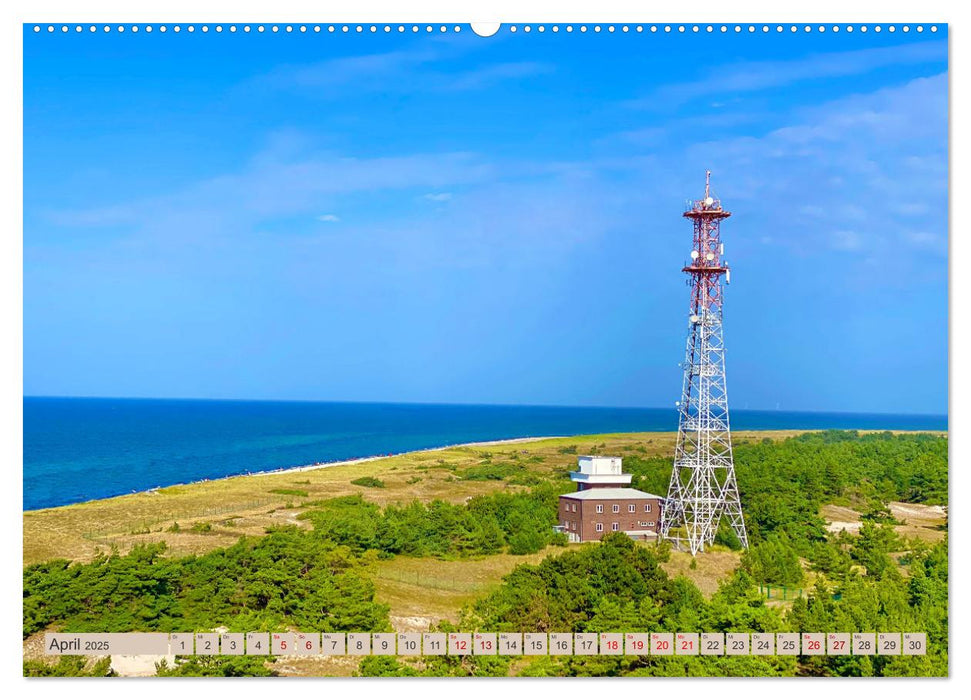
[(82, 449)]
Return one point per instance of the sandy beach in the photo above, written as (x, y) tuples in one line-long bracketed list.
[(362, 460)]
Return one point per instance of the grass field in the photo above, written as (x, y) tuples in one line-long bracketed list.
[(216, 513), (224, 509), (423, 590)]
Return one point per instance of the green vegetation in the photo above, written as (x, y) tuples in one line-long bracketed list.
[(784, 484), (228, 666), (620, 585), (519, 523), (290, 492), (321, 578), (487, 471), (73, 666), (774, 561), (286, 579), (368, 481)]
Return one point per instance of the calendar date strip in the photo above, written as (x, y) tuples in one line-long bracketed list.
[(488, 643)]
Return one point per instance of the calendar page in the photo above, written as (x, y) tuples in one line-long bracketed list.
[(404, 349)]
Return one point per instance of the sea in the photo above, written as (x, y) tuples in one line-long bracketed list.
[(79, 449)]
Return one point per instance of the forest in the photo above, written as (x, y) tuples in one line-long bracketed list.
[(317, 579)]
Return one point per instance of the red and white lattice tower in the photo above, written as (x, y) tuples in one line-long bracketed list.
[(703, 489)]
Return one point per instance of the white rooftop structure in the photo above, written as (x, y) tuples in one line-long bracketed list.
[(610, 493), (595, 471)]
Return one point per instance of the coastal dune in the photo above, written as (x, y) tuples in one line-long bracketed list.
[(201, 516)]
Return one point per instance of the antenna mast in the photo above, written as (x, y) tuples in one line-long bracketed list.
[(703, 489)]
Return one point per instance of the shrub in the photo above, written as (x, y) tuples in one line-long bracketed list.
[(369, 481)]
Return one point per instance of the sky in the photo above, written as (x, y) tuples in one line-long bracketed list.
[(449, 218)]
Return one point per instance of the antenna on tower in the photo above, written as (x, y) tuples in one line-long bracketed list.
[(703, 489)]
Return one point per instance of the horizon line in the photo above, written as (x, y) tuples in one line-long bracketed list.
[(471, 404)]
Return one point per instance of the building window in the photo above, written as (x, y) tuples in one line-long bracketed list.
[(600, 509), (647, 507), (616, 508), (615, 526), (651, 524), (574, 507), (631, 508), (600, 527)]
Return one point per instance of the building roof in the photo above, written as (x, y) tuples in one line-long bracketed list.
[(607, 494)]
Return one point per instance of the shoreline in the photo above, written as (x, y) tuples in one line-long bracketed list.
[(373, 458), (217, 512), (304, 468), (155, 490)]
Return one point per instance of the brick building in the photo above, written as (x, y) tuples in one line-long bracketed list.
[(604, 502)]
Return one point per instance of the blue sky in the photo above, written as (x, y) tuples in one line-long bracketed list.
[(450, 218)]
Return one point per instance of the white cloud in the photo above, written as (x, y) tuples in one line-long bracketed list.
[(332, 218), (429, 68), (491, 74), (846, 240), (438, 196), (926, 240), (753, 76)]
